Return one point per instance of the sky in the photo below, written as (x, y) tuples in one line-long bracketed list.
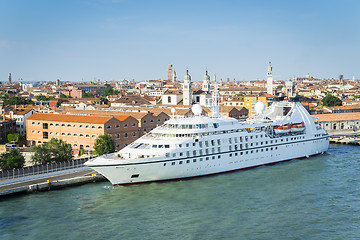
[(84, 40)]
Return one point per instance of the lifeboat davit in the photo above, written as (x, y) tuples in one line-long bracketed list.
[(298, 127), (282, 129)]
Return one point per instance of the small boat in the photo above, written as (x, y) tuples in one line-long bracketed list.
[(282, 129), (298, 127)]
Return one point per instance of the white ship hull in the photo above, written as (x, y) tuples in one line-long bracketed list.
[(156, 171)]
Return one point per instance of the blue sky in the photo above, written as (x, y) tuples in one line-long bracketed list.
[(136, 39)]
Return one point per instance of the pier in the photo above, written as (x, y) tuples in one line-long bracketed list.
[(46, 183), (352, 140)]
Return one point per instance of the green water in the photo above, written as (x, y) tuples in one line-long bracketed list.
[(315, 198)]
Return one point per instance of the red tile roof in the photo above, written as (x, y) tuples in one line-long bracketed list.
[(69, 118), (332, 117)]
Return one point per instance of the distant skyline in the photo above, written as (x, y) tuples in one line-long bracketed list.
[(86, 40)]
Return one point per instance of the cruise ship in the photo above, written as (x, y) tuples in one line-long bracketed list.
[(205, 145)]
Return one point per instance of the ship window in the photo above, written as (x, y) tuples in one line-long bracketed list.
[(187, 153), (181, 162), (174, 155), (219, 156), (267, 149), (193, 144), (213, 157), (241, 153), (135, 176), (251, 137), (201, 159), (194, 160), (251, 151), (180, 145), (187, 145), (194, 152), (212, 142), (173, 163), (218, 142), (207, 158), (164, 164), (229, 148), (236, 154), (230, 155), (262, 150), (247, 152), (167, 146), (181, 154), (187, 161), (271, 148)]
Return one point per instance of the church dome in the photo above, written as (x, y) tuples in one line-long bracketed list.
[(187, 76), (206, 77)]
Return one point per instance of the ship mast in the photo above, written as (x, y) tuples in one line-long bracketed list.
[(215, 102)]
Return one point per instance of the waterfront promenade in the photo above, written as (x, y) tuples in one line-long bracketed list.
[(48, 181)]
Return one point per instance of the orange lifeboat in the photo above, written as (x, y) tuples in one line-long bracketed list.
[(298, 127), (282, 129)]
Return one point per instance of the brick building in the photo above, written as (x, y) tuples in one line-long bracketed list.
[(81, 131), (7, 126)]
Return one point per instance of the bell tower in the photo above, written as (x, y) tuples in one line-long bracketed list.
[(206, 82), (187, 89), (269, 80)]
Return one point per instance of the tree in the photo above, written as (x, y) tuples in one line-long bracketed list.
[(109, 90), (41, 155), (56, 150), (12, 159), (16, 101), (60, 150), (60, 101), (88, 95), (13, 138), (44, 98), (331, 101), (64, 96), (104, 144)]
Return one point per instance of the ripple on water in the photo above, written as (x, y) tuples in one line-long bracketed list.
[(315, 198)]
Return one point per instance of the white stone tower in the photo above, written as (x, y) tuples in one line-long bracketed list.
[(269, 80), (187, 90), (174, 76), (170, 72), (206, 82)]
